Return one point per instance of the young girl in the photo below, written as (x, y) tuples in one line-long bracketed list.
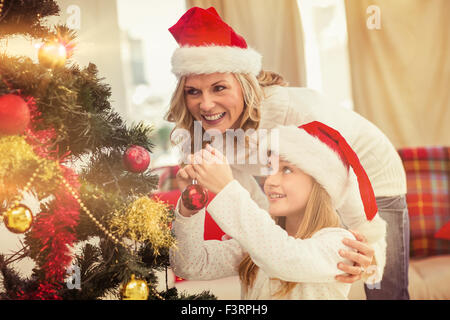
[(292, 251)]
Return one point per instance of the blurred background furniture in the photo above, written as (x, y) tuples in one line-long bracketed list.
[(428, 179), (428, 175)]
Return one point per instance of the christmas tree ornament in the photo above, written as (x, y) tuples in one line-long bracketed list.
[(18, 219), (18, 154), (66, 37), (14, 114), (145, 220), (88, 212), (136, 289), (136, 159), (52, 54), (194, 197)]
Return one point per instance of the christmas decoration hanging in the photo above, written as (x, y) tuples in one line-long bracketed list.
[(194, 197), (136, 289), (1, 6), (136, 159), (52, 54), (18, 219), (14, 114), (66, 37), (145, 219)]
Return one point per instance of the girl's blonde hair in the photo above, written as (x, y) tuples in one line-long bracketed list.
[(253, 96), (319, 214)]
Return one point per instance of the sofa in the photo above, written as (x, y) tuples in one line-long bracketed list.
[(428, 198)]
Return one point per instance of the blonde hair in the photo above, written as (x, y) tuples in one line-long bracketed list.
[(252, 91), (319, 214)]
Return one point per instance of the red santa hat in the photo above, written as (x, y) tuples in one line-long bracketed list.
[(208, 45), (321, 152)]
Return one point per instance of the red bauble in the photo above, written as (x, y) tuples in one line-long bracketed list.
[(14, 114), (194, 197), (136, 159)]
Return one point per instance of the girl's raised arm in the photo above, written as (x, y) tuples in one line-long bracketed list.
[(197, 259), (270, 247)]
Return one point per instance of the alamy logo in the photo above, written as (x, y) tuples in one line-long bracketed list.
[(74, 19), (372, 270), (242, 147), (73, 281), (374, 20)]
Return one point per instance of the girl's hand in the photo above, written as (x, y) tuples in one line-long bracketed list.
[(362, 258), (212, 169), (184, 178)]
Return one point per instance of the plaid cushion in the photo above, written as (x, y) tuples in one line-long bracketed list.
[(427, 172), (444, 232)]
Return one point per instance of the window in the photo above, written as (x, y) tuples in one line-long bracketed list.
[(326, 51), (146, 50)]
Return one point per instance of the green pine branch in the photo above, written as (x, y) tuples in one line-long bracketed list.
[(26, 17)]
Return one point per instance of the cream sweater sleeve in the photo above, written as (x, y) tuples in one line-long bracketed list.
[(196, 259), (271, 248)]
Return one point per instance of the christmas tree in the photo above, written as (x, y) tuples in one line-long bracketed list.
[(61, 141)]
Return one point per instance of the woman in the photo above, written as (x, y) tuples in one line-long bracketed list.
[(221, 84), (297, 256)]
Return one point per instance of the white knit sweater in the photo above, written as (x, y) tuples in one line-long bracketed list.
[(310, 262)]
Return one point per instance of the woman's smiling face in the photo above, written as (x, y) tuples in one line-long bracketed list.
[(215, 99)]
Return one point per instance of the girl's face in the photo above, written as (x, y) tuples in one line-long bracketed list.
[(288, 189), (215, 99)]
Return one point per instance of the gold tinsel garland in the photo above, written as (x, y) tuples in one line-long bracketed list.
[(22, 157), (145, 219)]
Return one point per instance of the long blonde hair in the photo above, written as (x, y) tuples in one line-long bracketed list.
[(319, 214), (253, 96)]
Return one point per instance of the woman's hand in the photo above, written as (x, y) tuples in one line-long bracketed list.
[(212, 169), (362, 258)]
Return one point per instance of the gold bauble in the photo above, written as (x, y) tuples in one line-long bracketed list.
[(18, 219), (136, 290), (52, 54)]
